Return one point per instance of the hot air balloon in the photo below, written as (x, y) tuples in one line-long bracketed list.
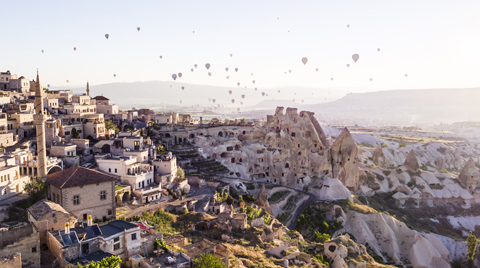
[(290, 71), (231, 55), (226, 69), (191, 69), (114, 75), (348, 65), (138, 29), (243, 96), (251, 74), (279, 91), (236, 69), (183, 88), (213, 100), (355, 57), (238, 84), (180, 75), (174, 76), (295, 94), (331, 78), (378, 49), (195, 65), (207, 66), (42, 51), (302, 101), (230, 92), (233, 100), (74, 49), (209, 74), (180, 101), (406, 75), (293, 100), (238, 109), (371, 79), (107, 36), (255, 89), (241, 103), (316, 69), (263, 93), (209, 99), (348, 25), (304, 60), (48, 85), (253, 81), (67, 81), (161, 57), (193, 31)]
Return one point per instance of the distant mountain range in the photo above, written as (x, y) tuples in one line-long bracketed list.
[(333, 106)]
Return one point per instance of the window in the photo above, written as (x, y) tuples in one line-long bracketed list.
[(116, 239), (53, 214), (115, 170), (53, 197), (67, 133), (109, 170), (84, 217), (76, 200), (34, 249), (134, 236), (103, 195), (109, 212), (116, 246)]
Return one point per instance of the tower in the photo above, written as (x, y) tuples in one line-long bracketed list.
[(88, 89), (40, 119)]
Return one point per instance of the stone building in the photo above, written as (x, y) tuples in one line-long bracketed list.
[(83, 192), (22, 239), (46, 215)]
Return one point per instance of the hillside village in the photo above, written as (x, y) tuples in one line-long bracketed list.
[(165, 189)]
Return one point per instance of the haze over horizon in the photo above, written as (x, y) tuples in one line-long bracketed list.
[(435, 44)]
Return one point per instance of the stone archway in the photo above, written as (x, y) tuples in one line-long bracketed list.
[(54, 169), (125, 197)]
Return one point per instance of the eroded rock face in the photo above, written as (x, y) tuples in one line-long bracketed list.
[(263, 199), (344, 160), (378, 157), (411, 163), (469, 176)]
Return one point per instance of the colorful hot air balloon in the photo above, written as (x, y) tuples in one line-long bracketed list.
[(174, 76), (263, 93), (207, 66), (238, 84), (406, 75), (209, 74), (348, 65), (68, 81), (191, 69), (378, 49), (279, 91), (304, 60), (243, 96), (233, 100), (180, 101), (371, 79), (48, 85), (138, 29), (183, 88), (107, 36), (236, 69), (253, 81), (42, 51), (213, 100), (228, 77), (290, 71), (226, 69), (195, 65), (180, 75), (316, 69), (230, 92), (114, 75), (255, 89), (231, 55), (161, 57), (74, 49), (355, 57), (348, 25)]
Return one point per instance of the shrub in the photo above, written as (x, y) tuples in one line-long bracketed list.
[(321, 238), (443, 170), (384, 145)]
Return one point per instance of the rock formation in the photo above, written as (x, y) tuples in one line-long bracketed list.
[(411, 163), (263, 199), (344, 160), (469, 175), (378, 156)]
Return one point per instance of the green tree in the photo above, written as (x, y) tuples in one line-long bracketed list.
[(230, 200), (108, 262), (321, 238), (141, 132), (75, 134), (36, 188), (180, 173), (209, 261), (471, 248), (161, 150), (110, 125), (46, 90)]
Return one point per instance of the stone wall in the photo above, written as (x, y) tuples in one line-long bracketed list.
[(24, 240)]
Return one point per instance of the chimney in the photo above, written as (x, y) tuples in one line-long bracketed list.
[(89, 220), (67, 228)]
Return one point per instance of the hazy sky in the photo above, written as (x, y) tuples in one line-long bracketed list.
[(437, 43)]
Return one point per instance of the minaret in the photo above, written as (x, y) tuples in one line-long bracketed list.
[(88, 89), (40, 119)]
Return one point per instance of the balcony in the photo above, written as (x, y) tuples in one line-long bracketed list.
[(152, 187)]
